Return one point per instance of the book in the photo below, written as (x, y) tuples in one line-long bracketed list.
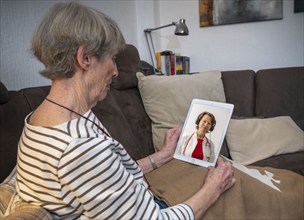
[(187, 64), (178, 65), (158, 60), (165, 62), (172, 64)]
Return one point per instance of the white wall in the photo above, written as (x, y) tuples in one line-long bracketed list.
[(19, 18), (257, 45)]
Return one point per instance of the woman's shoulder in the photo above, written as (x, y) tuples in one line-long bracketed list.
[(47, 116)]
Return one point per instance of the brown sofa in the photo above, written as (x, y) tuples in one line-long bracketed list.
[(265, 93)]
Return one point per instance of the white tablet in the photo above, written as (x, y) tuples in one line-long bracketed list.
[(203, 132)]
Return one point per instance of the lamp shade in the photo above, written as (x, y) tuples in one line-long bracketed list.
[(181, 28)]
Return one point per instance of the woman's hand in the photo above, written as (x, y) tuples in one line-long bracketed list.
[(171, 139), (219, 179), (164, 155)]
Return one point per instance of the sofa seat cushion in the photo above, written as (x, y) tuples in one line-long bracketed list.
[(167, 98), (254, 139)]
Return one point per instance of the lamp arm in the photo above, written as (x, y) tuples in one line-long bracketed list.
[(150, 44), (153, 29)]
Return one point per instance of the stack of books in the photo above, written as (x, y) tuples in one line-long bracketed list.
[(169, 63)]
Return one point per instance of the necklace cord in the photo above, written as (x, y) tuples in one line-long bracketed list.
[(86, 118)]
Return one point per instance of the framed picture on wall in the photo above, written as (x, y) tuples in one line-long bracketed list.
[(298, 6), (221, 12)]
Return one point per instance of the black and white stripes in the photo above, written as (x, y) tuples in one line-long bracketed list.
[(74, 170)]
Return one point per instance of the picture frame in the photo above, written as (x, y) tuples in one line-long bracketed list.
[(298, 6), (221, 12)]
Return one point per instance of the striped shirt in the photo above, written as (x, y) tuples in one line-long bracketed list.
[(75, 171)]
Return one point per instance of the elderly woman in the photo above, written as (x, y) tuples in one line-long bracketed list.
[(67, 161)]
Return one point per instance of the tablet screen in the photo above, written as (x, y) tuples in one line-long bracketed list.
[(203, 132)]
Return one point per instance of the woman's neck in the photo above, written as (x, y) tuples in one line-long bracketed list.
[(200, 135), (70, 95)]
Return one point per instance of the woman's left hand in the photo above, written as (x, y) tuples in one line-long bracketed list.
[(171, 139)]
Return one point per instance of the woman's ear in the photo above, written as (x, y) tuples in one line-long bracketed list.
[(83, 60)]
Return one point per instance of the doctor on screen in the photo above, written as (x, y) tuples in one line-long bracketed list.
[(196, 144)]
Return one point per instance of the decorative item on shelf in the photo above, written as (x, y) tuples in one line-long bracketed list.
[(180, 30)]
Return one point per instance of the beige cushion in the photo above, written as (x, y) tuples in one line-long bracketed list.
[(167, 98), (7, 189), (13, 207), (19, 209), (251, 140)]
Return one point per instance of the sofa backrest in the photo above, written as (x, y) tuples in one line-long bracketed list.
[(13, 109), (240, 91), (122, 111), (281, 92)]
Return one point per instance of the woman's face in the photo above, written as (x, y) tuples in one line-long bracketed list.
[(102, 73), (205, 124)]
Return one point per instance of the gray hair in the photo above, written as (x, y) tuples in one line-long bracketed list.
[(65, 28)]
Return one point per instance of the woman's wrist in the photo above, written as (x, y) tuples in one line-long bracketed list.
[(152, 161), (161, 157)]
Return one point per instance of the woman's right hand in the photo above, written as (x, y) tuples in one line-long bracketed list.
[(218, 180)]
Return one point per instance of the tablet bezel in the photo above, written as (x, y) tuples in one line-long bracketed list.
[(221, 111)]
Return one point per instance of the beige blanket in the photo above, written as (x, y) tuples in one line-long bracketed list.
[(248, 199)]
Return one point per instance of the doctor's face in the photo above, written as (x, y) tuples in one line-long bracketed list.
[(205, 123)]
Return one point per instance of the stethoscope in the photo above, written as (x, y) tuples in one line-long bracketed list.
[(207, 145)]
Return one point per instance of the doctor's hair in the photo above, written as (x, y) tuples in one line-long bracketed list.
[(201, 115)]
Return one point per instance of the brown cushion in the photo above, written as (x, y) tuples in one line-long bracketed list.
[(240, 90), (3, 93), (128, 63), (281, 92)]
